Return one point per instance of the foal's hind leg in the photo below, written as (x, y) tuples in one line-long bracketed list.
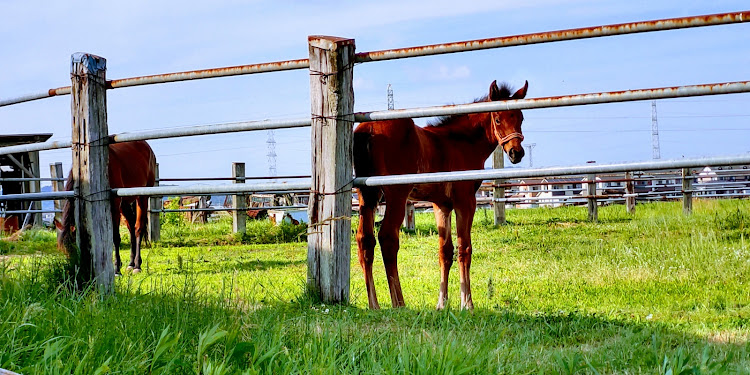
[(395, 200), (129, 212), (368, 200), (115, 210), (464, 219), (141, 227), (443, 220)]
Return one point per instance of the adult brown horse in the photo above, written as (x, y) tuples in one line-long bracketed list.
[(454, 143), (131, 164)]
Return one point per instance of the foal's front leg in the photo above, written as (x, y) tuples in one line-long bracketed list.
[(464, 219), (445, 244)]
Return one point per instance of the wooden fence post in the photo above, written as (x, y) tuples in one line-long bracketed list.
[(56, 171), (591, 195), (155, 206), (629, 191), (330, 207), (687, 191), (239, 204), (35, 187), (93, 217), (498, 162)]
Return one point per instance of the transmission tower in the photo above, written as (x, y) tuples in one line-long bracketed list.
[(390, 97), (271, 142), (531, 146), (655, 132)]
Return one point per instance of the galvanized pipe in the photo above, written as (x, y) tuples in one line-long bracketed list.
[(212, 189), (47, 196), (556, 36), (210, 73), (11, 212), (210, 129), (25, 179), (434, 49), (559, 101), (49, 145), (214, 209), (493, 174), (40, 95)]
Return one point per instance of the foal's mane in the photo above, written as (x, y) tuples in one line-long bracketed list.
[(505, 93)]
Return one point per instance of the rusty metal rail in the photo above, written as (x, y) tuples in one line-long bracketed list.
[(434, 49), (557, 36)]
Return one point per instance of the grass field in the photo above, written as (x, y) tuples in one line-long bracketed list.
[(658, 292)]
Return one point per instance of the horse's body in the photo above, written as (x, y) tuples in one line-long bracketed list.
[(131, 164), (461, 142)]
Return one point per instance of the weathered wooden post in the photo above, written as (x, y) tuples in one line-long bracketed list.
[(56, 172), (90, 177), (239, 204), (498, 162), (330, 207), (591, 196), (35, 187), (155, 206), (687, 191), (629, 193)]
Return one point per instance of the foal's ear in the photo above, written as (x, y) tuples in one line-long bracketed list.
[(521, 93), (494, 91)]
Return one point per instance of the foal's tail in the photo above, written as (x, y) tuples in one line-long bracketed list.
[(362, 158)]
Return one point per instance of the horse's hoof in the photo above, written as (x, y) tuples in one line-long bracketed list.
[(130, 268), (118, 274), (136, 270)]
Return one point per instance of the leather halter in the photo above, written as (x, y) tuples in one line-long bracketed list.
[(510, 136), (503, 140)]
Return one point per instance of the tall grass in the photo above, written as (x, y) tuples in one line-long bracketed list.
[(657, 292)]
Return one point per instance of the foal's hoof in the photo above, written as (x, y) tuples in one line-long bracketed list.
[(130, 268), (136, 270)]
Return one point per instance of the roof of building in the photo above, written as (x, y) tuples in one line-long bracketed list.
[(22, 139)]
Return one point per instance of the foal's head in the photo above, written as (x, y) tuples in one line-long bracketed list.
[(507, 124)]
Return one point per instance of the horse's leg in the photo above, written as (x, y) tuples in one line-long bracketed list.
[(129, 212), (464, 219), (395, 200), (141, 227), (368, 201), (115, 211), (443, 220)]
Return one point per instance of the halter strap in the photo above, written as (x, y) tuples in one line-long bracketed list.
[(510, 136)]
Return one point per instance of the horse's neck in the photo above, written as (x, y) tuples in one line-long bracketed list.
[(484, 141), (469, 136)]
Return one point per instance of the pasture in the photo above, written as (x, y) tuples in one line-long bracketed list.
[(658, 292)]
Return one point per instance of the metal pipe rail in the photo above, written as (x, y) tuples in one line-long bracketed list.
[(214, 209), (557, 36), (231, 127), (49, 145), (230, 178), (47, 196), (30, 179), (559, 101), (212, 189), (29, 212), (434, 49), (493, 174)]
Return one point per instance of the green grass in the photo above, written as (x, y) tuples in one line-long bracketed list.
[(658, 292)]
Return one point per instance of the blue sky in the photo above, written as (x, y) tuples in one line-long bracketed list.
[(146, 37)]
